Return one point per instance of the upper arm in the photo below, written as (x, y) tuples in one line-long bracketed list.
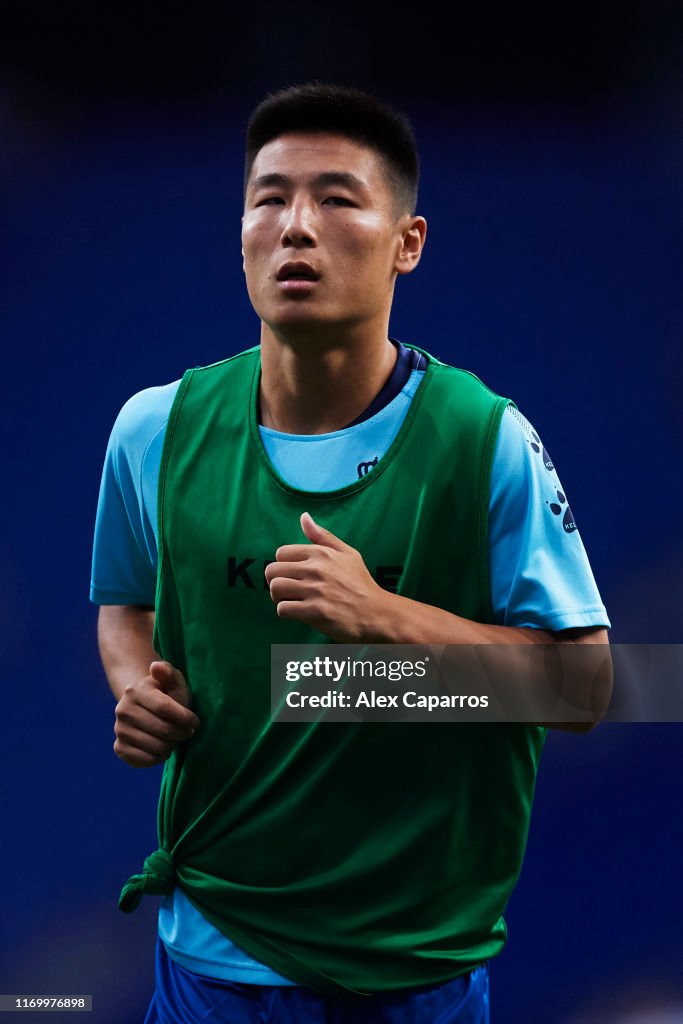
[(124, 560), (598, 673), (114, 618), (125, 637), (540, 573)]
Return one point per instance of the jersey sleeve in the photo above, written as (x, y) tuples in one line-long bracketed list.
[(124, 560), (540, 573)]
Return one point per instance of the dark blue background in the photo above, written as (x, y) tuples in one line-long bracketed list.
[(550, 271)]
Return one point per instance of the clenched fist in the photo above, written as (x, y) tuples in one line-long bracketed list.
[(152, 716)]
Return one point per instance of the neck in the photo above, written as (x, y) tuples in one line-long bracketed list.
[(311, 385)]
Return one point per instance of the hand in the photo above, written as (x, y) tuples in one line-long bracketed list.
[(327, 585), (153, 716)]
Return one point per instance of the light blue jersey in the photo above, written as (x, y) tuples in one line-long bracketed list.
[(540, 574)]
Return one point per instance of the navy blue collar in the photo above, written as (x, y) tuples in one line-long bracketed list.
[(408, 359)]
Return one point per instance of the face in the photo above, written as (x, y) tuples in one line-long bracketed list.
[(321, 239)]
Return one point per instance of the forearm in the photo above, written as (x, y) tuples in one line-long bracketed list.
[(401, 620), (582, 679), (124, 635)]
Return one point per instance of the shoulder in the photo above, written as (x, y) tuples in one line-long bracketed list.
[(520, 446), (457, 375), (141, 419), (464, 397)]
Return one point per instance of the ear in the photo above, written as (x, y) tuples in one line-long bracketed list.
[(413, 234)]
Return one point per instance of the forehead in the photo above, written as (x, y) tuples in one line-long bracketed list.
[(304, 154)]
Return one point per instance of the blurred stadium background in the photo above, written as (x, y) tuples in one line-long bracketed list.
[(551, 151)]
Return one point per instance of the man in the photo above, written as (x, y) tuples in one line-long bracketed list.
[(330, 484)]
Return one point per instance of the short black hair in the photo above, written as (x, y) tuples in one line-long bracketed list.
[(324, 107)]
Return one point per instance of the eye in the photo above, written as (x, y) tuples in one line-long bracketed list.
[(338, 201), (270, 200)]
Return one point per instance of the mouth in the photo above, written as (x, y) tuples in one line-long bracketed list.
[(297, 277)]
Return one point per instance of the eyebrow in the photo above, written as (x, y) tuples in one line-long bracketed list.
[(326, 178)]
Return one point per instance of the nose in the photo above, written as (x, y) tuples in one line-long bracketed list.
[(299, 228)]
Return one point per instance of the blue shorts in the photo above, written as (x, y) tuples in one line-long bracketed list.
[(183, 997)]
